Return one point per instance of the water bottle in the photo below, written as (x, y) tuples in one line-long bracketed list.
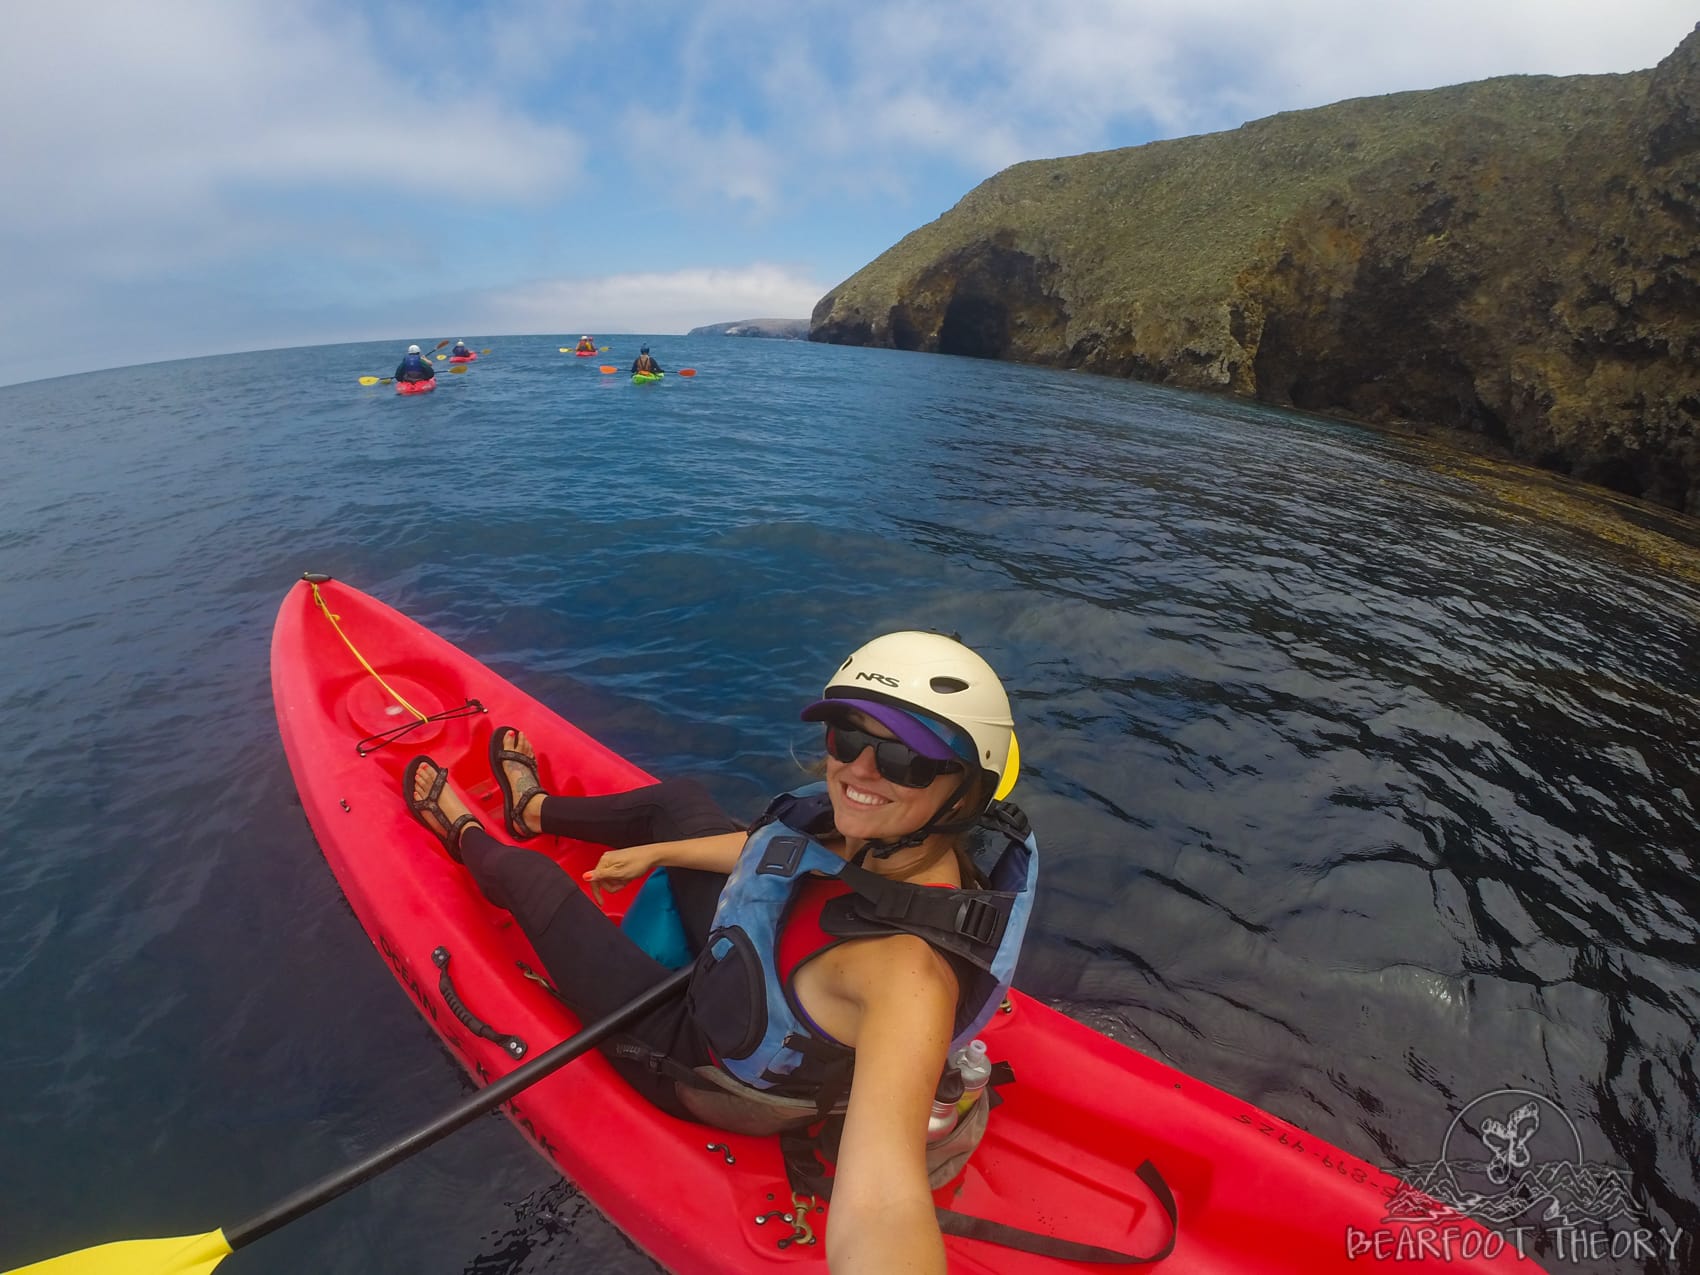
[(945, 1098), (975, 1069)]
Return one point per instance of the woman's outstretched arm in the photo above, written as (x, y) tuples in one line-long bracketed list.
[(618, 868), (882, 1220)]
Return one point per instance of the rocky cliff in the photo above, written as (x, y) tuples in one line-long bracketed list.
[(1517, 259)]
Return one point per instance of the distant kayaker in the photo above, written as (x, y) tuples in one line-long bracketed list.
[(414, 367), (460, 351), (856, 898), (645, 362), (586, 346)]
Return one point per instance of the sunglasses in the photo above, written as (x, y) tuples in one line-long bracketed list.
[(894, 760)]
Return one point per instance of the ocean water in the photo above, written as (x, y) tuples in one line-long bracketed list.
[(1366, 774)]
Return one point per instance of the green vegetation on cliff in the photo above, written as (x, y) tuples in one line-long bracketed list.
[(1517, 258)]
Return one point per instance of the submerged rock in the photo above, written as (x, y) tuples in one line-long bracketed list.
[(1516, 261)]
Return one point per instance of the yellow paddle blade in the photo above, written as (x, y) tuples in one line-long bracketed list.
[(180, 1255), (441, 357), (368, 380), (458, 367)]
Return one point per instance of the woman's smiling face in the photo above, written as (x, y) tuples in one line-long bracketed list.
[(866, 806)]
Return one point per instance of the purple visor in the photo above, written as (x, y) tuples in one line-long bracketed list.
[(923, 734)]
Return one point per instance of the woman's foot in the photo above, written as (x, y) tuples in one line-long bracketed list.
[(433, 803), (513, 762)]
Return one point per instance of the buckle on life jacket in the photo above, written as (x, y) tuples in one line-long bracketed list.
[(782, 856), (979, 920), (1009, 819)]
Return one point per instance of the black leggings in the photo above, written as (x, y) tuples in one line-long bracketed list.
[(594, 965)]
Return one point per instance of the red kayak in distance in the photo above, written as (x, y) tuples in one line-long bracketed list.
[(463, 358), (360, 689), (585, 354), (416, 387)]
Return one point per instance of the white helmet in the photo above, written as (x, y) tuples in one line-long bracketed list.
[(413, 349), (935, 677)]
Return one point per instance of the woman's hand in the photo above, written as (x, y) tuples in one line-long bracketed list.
[(617, 869)]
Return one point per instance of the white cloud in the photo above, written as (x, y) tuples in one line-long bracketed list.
[(716, 160), (662, 301), (160, 113)]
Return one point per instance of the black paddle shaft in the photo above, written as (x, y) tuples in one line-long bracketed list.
[(486, 1099)]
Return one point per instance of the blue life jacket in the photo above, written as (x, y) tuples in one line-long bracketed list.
[(415, 363), (750, 1017)]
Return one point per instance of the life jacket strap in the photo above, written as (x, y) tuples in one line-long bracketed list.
[(969, 923)]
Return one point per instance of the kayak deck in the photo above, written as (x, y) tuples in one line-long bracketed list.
[(1060, 1154)]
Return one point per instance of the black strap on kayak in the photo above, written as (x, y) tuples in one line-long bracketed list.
[(372, 743), (979, 1228), (808, 1176)]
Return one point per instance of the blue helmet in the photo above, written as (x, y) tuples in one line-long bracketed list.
[(645, 350)]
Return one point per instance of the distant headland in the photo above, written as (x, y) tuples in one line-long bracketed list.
[(1513, 262), (781, 329)]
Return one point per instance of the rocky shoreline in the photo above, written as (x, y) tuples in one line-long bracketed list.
[(1514, 263)]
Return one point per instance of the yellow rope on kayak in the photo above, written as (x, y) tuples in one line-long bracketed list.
[(394, 694)]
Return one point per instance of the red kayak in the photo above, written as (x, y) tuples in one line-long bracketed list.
[(463, 358), (360, 689), (416, 387), (585, 354)]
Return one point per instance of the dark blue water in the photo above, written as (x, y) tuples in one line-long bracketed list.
[(1366, 776)]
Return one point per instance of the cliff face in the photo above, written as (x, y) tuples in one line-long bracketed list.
[(1517, 258)]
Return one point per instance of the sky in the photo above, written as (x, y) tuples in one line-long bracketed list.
[(189, 177)]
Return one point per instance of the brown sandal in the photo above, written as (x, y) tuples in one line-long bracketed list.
[(513, 806), (419, 807)]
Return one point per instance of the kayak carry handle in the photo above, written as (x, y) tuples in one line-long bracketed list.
[(515, 1047)]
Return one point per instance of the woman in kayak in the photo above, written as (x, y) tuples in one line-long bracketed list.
[(413, 367), (460, 351), (805, 991), (586, 345), (645, 362)]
